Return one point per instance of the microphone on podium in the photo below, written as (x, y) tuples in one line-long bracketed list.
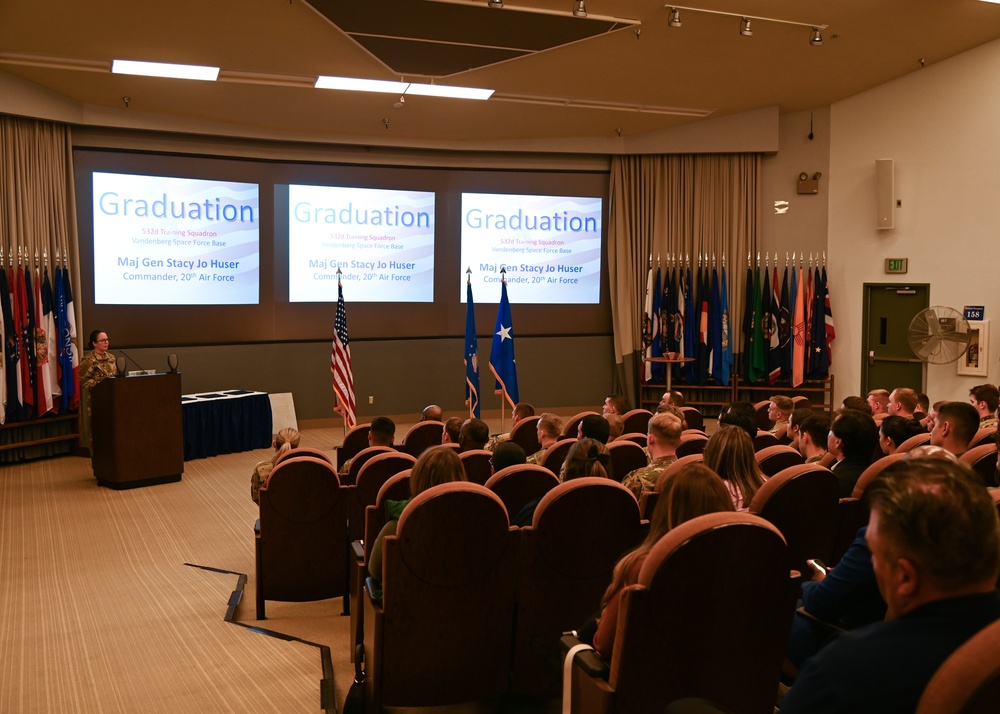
[(123, 370)]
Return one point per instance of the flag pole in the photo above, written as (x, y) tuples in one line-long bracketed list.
[(503, 408)]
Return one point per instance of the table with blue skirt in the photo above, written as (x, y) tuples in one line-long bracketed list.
[(225, 422)]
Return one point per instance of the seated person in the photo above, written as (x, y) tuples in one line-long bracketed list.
[(616, 425), (382, 433), (902, 402), (878, 400), (521, 410), (894, 430), (778, 411), (853, 439), (795, 420), (935, 545), (675, 398), (507, 453), (548, 430), (812, 438), (693, 491), (285, 440), (662, 440), (954, 426), (437, 465), (587, 457), (747, 421), (985, 399), (729, 453), (473, 435), (614, 404), (594, 426), (859, 403), (432, 412), (452, 430)]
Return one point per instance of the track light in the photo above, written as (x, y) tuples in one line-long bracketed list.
[(817, 39), (496, 4), (745, 27), (579, 8), (675, 17)]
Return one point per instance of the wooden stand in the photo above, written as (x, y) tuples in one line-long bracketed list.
[(137, 430)]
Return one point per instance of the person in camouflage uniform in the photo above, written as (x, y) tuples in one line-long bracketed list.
[(521, 411), (549, 428), (662, 440)]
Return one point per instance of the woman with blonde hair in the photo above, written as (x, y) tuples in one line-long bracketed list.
[(285, 440), (437, 465), (587, 457), (729, 453), (691, 492)]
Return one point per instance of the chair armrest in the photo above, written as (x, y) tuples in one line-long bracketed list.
[(374, 590), (358, 550), (588, 660), (256, 528), (829, 626)]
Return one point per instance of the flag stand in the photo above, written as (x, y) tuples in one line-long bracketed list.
[(503, 403)]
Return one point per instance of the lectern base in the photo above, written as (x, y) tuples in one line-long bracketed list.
[(139, 483)]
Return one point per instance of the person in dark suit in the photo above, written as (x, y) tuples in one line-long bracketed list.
[(852, 440)]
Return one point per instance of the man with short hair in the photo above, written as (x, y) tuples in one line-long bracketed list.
[(615, 404), (381, 433), (854, 402), (902, 402), (985, 398), (813, 433), (432, 412), (616, 426), (853, 439), (955, 425), (778, 411), (452, 430), (795, 420), (928, 421), (520, 411), (673, 397), (594, 426), (548, 430), (662, 440), (473, 435), (507, 453), (935, 545), (878, 400)]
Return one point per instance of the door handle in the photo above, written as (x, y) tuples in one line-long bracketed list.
[(871, 357)]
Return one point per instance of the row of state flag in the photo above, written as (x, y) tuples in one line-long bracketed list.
[(40, 358), (787, 331), (502, 361)]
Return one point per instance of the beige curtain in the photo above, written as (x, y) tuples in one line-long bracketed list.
[(676, 208)]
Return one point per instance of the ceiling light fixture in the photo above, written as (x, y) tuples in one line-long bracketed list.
[(675, 17), (161, 69), (354, 84), (443, 90), (579, 8), (817, 39), (496, 4), (745, 27)]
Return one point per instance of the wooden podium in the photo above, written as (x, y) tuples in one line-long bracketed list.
[(137, 430)]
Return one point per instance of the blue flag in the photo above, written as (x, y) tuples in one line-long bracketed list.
[(471, 354), (715, 329), (748, 324), (502, 362), (658, 372), (726, 365), (690, 329)]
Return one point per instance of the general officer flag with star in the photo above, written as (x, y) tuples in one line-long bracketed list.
[(502, 362)]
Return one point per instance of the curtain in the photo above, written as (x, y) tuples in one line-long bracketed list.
[(680, 208)]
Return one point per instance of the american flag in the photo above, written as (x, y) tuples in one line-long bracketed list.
[(340, 363)]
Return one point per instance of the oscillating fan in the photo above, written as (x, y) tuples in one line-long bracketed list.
[(939, 334)]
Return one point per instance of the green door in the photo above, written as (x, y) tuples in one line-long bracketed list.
[(888, 362)]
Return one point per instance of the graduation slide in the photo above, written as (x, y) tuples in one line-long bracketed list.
[(162, 240), (381, 240), (548, 246)]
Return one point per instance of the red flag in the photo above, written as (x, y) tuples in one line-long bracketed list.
[(45, 345), (340, 363), (799, 333), (24, 331)]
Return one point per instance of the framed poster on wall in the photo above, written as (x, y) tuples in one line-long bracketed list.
[(975, 361)]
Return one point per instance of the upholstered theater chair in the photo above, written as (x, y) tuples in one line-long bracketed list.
[(372, 475), (626, 456), (477, 465), (852, 513), (773, 459), (360, 459), (520, 484), (525, 434), (556, 454), (691, 443), (572, 425), (354, 441), (301, 536), (636, 420), (304, 451), (983, 460), (422, 435), (693, 418), (912, 443), (969, 680)]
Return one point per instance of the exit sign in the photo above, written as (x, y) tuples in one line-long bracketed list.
[(895, 265)]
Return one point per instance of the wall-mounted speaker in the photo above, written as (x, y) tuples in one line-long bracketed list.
[(885, 194)]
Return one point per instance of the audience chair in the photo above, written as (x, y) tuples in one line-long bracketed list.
[(637, 420), (626, 456), (709, 618), (691, 444), (525, 434), (301, 536), (763, 440), (801, 403), (396, 488), (304, 451), (354, 441), (579, 531), (853, 511), (693, 418), (441, 632), (422, 435), (984, 436), (802, 502), (572, 426), (773, 459), (764, 422), (556, 454), (828, 460), (912, 442), (673, 468), (476, 462), (360, 459), (969, 680), (983, 460), (634, 437), (375, 472), (520, 484)]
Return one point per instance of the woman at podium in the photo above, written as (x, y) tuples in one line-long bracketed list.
[(96, 366)]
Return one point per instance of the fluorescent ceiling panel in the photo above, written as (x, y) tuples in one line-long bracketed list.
[(354, 84), (162, 69)]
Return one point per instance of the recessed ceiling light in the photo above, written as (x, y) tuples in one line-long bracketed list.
[(162, 69), (442, 90), (354, 84)]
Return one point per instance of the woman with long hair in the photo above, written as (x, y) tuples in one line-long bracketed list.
[(285, 440), (587, 457), (691, 492), (729, 453)]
